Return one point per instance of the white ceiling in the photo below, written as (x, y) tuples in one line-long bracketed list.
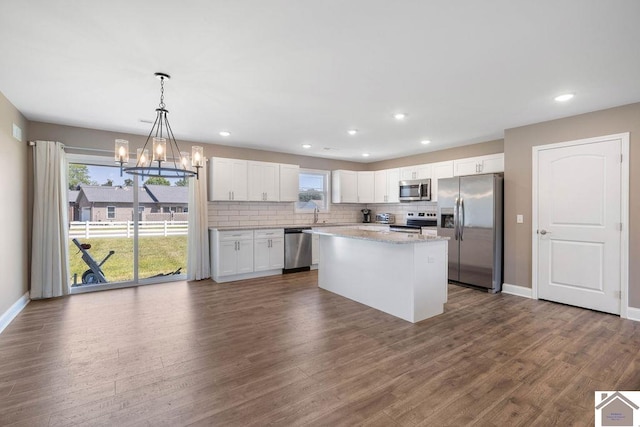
[(280, 73)]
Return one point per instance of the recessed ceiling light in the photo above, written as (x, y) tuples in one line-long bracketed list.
[(146, 121), (352, 131), (306, 145), (225, 133), (365, 154), (425, 142), (564, 97), (399, 116)]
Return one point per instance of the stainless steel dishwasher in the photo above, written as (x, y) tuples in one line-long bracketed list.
[(297, 249)]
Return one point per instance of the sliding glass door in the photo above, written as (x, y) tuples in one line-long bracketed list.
[(124, 230)]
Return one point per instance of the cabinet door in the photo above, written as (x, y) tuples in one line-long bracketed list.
[(276, 253), (393, 192), (380, 186), (468, 166), (261, 254), (271, 181), (423, 171), (227, 258), (493, 163), (315, 249), (220, 178), (365, 187), (289, 183), (245, 256), (263, 181), (439, 170), (239, 179), (344, 186), (408, 173)]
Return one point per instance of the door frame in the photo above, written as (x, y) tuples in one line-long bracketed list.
[(624, 212)]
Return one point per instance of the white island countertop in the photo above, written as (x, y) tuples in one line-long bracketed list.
[(378, 236)]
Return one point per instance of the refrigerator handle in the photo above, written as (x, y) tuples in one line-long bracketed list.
[(461, 218), (456, 211)]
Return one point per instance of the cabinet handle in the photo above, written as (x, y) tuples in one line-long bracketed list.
[(229, 195)]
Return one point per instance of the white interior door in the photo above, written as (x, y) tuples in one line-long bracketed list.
[(579, 223)]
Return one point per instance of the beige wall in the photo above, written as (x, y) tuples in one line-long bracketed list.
[(518, 145), (14, 245), (490, 147), (104, 140)]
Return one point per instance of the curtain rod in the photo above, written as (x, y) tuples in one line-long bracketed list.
[(68, 147)]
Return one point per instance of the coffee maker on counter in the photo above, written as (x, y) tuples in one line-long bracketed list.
[(366, 215)]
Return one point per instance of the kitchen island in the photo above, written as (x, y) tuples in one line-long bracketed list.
[(402, 274)]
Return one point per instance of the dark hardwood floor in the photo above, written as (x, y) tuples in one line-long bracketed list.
[(280, 351)]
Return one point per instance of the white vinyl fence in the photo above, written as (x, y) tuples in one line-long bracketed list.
[(89, 229)]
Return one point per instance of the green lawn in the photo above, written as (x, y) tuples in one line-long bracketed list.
[(158, 255)]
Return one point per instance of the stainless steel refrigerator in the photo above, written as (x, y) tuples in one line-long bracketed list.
[(470, 214)]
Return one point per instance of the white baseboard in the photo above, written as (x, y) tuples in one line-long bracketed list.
[(520, 291), (13, 311), (633, 313)]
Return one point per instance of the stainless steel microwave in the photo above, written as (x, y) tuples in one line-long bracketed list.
[(412, 190)]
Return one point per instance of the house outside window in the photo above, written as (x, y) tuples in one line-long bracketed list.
[(111, 212), (313, 191)]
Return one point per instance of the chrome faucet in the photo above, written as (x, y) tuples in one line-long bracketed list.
[(316, 211)]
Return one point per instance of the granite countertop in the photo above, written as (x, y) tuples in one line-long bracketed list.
[(268, 227), (378, 236)]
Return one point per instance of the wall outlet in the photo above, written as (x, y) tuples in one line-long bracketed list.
[(17, 132), (520, 219)]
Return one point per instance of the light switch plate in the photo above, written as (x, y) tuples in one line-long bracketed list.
[(520, 219), (17, 132)]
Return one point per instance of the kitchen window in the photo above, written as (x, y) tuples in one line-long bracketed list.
[(313, 191)]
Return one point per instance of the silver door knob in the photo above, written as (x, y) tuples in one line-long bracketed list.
[(543, 232)]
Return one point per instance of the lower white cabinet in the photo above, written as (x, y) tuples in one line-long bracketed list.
[(268, 249), (231, 253)]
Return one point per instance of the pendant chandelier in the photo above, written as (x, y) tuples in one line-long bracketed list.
[(180, 163)]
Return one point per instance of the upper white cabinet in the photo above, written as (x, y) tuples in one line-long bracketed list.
[(242, 180), (386, 188), (227, 179), (344, 186), (439, 170), (365, 187), (264, 181), (477, 165), (289, 183), (415, 172)]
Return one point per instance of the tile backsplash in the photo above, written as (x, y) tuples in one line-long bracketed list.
[(230, 214)]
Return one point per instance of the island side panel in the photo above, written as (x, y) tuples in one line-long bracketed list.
[(373, 273), (431, 269)]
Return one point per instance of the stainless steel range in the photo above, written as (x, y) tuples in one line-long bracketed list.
[(416, 221)]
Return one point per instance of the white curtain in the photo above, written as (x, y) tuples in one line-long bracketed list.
[(50, 240), (198, 267)]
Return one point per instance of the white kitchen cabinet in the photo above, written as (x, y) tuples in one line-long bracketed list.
[(289, 183), (386, 186), (365, 187), (439, 170), (231, 252), (344, 186), (415, 172), (227, 179), (476, 165), (263, 181), (268, 249), (315, 249)]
